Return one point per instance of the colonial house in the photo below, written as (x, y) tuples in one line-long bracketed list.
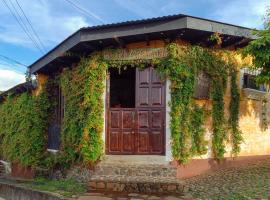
[(142, 105)]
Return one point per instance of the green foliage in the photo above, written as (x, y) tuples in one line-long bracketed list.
[(187, 138), (23, 125), (259, 49), (82, 127), (219, 133), (199, 144), (236, 136), (65, 187), (91, 142)]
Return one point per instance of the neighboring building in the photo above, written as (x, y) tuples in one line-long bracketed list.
[(143, 94), (18, 89)]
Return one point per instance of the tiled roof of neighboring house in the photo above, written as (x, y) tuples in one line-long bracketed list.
[(98, 37)]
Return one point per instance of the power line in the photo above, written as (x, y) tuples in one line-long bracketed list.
[(12, 60), (31, 26), (84, 11), (25, 26), (21, 25)]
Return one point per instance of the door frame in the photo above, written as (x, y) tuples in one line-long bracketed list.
[(106, 120)]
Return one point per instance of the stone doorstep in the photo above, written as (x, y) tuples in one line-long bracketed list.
[(160, 170), (136, 184)]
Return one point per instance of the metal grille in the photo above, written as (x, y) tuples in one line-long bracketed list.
[(202, 86), (249, 80), (55, 125)]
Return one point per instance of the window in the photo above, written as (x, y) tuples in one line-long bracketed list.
[(249, 80), (202, 86), (57, 118)]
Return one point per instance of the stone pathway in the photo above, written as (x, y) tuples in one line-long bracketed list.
[(130, 196), (247, 182)]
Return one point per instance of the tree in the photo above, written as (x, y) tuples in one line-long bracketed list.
[(259, 49)]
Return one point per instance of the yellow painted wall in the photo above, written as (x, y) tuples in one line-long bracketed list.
[(41, 80)]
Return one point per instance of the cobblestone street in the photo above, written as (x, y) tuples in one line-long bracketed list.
[(131, 196), (250, 182)]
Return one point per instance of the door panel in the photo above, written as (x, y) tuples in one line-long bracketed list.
[(115, 141), (143, 119), (157, 119), (156, 141), (156, 96), (143, 96), (143, 142)]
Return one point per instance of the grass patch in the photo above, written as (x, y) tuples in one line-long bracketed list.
[(65, 187)]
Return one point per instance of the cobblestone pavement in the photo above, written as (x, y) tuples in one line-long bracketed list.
[(249, 182), (130, 196)]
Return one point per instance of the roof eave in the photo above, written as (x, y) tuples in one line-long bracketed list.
[(132, 29)]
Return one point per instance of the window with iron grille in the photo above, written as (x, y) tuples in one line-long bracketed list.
[(57, 118), (202, 86), (249, 80)]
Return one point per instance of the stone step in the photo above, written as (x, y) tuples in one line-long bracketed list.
[(136, 184), (2, 170), (135, 170)]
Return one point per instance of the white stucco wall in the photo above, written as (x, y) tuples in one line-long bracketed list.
[(168, 149)]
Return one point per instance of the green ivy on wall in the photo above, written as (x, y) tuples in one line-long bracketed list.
[(82, 126), (236, 136), (23, 127)]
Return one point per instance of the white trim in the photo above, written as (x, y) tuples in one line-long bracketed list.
[(52, 151), (254, 90), (168, 147), (104, 115)]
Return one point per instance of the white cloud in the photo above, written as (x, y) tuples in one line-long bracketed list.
[(247, 13), (9, 79)]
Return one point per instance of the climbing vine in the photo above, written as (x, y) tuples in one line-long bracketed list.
[(23, 126), (236, 136), (82, 126)]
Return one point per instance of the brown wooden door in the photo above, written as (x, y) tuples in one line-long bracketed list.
[(150, 105), (139, 130)]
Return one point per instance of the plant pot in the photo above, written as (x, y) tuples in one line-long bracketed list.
[(19, 171)]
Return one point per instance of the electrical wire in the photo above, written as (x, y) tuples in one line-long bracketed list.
[(25, 26), (12, 60), (31, 26), (84, 11), (21, 25)]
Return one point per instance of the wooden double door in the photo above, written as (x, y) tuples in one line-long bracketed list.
[(139, 130)]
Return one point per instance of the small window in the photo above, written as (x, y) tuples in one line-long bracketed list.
[(202, 86), (249, 81)]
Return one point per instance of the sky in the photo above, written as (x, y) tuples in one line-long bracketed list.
[(54, 20)]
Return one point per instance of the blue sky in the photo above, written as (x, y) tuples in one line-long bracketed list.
[(54, 20)]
